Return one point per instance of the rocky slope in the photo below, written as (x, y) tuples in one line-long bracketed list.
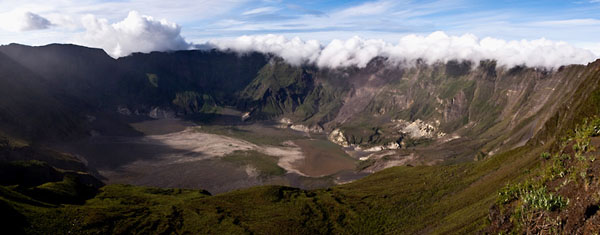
[(473, 110)]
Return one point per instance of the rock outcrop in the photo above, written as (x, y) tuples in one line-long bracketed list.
[(337, 136)]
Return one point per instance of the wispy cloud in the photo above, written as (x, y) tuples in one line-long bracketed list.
[(261, 10), (305, 10), (178, 10), (367, 9), (570, 22), (383, 15)]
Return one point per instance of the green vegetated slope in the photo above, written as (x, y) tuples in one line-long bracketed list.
[(397, 200), (36, 178)]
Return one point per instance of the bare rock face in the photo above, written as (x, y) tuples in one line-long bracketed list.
[(456, 107), (155, 112), (308, 129), (388, 146), (392, 145), (245, 116), (158, 113), (337, 136), (287, 123), (418, 129), (123, 110)]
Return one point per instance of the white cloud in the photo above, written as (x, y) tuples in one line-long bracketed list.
[(136, 33), (295, 51), (434, 47), (354, 51), (16, 21), (592, 46)]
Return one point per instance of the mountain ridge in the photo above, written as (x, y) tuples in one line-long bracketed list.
[(493, 125), (376, 106)]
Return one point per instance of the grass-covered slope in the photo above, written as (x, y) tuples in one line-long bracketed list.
[(400, 200)]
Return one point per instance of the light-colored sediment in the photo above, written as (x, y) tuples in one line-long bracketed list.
[(289, 156), (419, 129), (251, 171), (204, 145)]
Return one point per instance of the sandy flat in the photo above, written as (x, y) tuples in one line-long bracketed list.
[(203, 144)]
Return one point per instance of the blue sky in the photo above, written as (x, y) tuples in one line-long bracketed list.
[(573, 21), (577, 22)]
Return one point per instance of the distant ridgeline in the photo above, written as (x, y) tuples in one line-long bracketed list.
[(503, 117)]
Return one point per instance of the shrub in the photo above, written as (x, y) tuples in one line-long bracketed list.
[(545, 155), (512, 192), (590, 128), (540, 198)]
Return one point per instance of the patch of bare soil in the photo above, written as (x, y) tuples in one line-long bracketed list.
[(322, 158), (199, 145), (161, 126)]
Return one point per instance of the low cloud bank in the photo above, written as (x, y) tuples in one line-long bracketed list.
[(140, 33), (435, 47), (136, 33)]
